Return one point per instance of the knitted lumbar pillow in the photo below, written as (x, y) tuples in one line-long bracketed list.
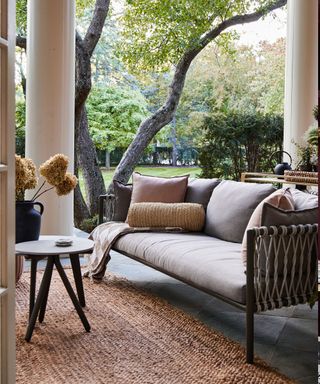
[(188, 216)]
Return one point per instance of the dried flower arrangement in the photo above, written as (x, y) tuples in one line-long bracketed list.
[(54, 172)]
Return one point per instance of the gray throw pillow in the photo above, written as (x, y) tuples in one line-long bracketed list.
[(303, 200), (231, 206), (273, 216), (122, 194), (200, 190)]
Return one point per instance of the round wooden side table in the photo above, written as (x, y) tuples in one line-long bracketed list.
[(45, 248)]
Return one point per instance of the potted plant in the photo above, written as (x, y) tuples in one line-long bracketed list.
[(308, 151), (55, 176)]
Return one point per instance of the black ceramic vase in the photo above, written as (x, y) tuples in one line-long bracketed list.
[(28, 221), (282, 166)]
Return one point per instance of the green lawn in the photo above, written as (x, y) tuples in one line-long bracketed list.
[(153, 171)]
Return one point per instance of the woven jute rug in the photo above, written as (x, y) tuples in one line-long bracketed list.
[(136, 338)]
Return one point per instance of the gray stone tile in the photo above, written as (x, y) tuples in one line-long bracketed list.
[(233, 325), (308, 379), (180, 295), (305, 312), (263, 351), (217, 305), (230, 324), (117, 258), (268, 329), (300, 334), (293, 363), (306, 307), (135, 273), (284, 312), (79, 233)]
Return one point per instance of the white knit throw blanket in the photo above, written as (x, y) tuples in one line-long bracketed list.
[(104, 237)]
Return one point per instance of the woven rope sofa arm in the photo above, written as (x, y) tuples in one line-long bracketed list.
[(281, 265), (106, 207)]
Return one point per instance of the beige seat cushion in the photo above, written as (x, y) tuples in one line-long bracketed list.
[(188, 216), (281, 198), (158, 189), (201, 260)]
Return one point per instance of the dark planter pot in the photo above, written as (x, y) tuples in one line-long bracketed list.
[(280, 168), (28, 221)]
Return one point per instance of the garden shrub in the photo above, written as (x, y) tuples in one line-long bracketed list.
[(88, 225), (238, 142)]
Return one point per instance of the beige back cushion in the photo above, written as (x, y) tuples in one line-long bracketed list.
[(231, 206), (188, 216), (158, 189), (281, 198)]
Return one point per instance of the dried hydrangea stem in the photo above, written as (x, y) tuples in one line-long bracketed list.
[(35, 195), (46, 190)]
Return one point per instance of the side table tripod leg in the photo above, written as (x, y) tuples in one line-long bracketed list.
[(33, 278), (71, 293), (75, 263), (45, 299), (41, 294)]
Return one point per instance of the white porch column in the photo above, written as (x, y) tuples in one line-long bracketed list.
[(50, 98), (301, 92)]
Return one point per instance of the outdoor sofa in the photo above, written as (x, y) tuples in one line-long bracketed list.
[(280, 269)]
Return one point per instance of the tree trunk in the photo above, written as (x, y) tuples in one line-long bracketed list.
[(84, 147), (107, 160), (89, 165), (155, 156), (23, 79), (83, 85), (174, 142), (81, 211), (152, 125)]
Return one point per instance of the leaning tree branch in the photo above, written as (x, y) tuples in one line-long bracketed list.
[(85, 154), (21, 42), (83, 74), (94, 31), (240, 19), (153, 124)]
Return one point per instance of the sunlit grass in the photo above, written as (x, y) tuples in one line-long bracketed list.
[(152, 171)]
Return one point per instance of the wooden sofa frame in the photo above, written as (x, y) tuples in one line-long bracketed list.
[(296, 284)]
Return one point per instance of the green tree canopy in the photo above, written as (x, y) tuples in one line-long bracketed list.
[(114, 115), (249, 81), (157, 33), (21, 12)]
